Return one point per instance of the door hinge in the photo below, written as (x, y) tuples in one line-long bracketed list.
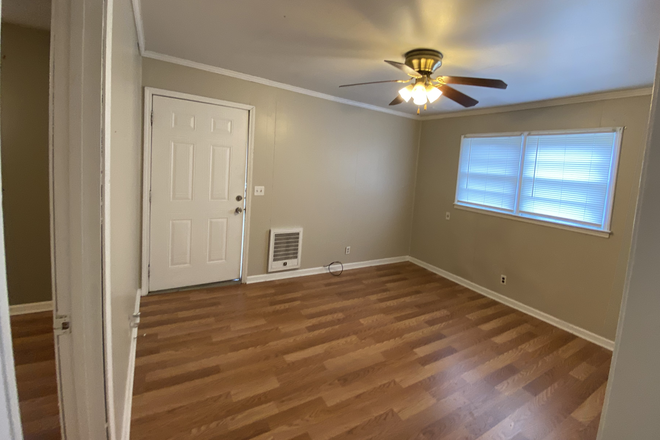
[(152, 117), (62, 325), (135, 320), (149, 271)]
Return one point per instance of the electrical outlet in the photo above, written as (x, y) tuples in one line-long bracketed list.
[(503, 279), (447, 215), (348, 250), (259, 190)]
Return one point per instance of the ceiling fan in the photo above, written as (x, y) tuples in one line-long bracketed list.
[(420, 64)]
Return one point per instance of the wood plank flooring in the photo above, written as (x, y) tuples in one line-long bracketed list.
[(389, 352), (34, 357)]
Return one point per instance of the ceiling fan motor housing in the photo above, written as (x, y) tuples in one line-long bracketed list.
[(424, 61)]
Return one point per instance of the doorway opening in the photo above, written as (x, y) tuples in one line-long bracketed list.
[(26, 209)]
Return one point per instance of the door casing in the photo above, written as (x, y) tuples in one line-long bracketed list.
[(149, 93), (80, 39)]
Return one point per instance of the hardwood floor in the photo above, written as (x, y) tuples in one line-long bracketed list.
[(34, 357), (389, 352)]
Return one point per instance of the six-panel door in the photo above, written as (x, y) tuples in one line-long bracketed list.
[(198, 166)]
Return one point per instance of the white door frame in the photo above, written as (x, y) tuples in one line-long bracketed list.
[(149, 93), (80, 34), (80, 30)]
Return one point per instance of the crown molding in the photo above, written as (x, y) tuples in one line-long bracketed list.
[(139, 28), (270, 83), (576, 99)]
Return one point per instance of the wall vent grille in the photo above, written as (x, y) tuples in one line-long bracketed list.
[(285, 249)]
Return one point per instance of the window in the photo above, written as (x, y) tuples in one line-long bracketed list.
[(488, 172), (559, 177)]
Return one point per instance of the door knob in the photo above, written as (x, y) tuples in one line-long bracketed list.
[(238, 210), (239, 198)]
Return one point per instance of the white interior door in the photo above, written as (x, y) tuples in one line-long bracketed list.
[(198, 166)]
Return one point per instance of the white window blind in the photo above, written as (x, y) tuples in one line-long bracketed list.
[(567, 176), (488, 171), (559, 177)]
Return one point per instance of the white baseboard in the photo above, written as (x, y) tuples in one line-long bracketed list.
[(24, 309), (319, 270), (577, 331), (128, 403)]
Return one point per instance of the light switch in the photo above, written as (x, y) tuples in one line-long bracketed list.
[(259, 190)]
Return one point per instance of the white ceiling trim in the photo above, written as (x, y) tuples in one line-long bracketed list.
[(137, 13), (267, 82), (576, 99)]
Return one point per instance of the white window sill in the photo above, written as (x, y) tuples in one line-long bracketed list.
[(603, 234)]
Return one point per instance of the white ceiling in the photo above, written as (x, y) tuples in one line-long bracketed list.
[(30, 13), (542, 48)]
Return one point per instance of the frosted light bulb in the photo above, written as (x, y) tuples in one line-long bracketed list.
[(406, 93), (419, 94), (433, 93)]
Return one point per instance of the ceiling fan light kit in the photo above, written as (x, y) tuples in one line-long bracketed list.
[(419, 93), (419, 65)]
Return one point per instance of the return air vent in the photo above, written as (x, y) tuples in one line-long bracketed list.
[(285, 249)]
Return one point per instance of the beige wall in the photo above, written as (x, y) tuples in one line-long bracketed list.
[(125, 192), (345, 174), (25, 68), (572, 276)]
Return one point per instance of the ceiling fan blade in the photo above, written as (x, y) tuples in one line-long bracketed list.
[(397, 100), (479, 82), (376, 82), (458, 97), (409, 70)]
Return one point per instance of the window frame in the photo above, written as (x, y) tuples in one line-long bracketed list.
[(546, 220)]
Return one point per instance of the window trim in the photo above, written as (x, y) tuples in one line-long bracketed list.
[(516, 214)]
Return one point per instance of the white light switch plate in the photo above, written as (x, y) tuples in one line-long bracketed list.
[(259, 190)]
